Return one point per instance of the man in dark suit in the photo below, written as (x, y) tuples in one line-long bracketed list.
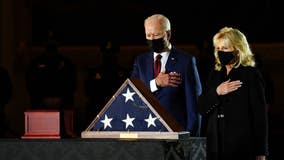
[(177, 84)]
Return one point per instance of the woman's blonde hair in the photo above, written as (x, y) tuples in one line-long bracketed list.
[(236, 39)]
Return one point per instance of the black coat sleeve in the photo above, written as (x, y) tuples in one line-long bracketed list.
[(258, 103)]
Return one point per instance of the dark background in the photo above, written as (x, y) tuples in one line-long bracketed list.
[(76, 23), (89, 22)]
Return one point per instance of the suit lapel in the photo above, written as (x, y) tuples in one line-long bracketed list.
[(171, 62)]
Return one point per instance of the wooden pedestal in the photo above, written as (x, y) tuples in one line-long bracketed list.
[(42, 124)]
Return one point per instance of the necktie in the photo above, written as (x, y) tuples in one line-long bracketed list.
[(157, 65)]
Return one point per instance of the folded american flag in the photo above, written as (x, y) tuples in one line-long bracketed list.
[(133, 108)]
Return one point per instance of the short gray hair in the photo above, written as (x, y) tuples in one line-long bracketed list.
[(164, 21)]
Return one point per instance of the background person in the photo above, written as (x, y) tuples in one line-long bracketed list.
[(51, 82)]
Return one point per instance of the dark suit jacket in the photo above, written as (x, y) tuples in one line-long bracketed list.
[(179, 101), (243, 129), (51, 75)]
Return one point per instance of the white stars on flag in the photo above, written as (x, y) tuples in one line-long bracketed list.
[(128, 95), (128, 121), (106, 122), (128, 112), (151, 121)]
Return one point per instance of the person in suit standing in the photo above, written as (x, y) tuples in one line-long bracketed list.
[(177, 84), (51, 81), (234, 102)]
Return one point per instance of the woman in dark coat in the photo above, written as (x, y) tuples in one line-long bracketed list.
[(233, 102)]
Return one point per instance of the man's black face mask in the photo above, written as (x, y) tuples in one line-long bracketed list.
[(157, 45)]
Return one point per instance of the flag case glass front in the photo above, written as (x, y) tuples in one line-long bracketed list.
[(134, 113)]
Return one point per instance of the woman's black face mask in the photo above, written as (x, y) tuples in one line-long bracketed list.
[(157, 45), (226, 57)]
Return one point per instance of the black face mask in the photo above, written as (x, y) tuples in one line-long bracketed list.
[(157, 45), (226, 57)]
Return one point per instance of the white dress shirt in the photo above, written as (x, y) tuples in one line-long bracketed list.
[(165, 56)]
